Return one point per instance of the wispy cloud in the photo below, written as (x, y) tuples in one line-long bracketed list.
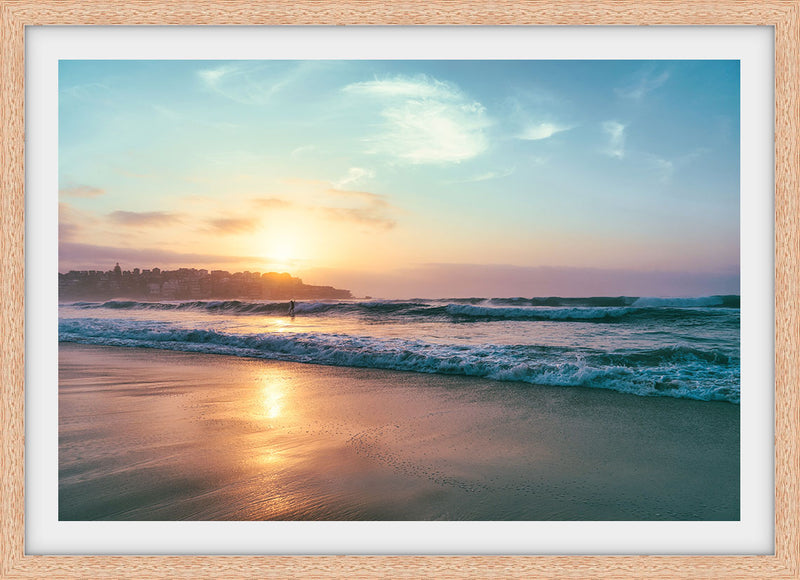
[(178, 117), (304, 182), (374, 198), (72, 222), (303, 149), (81, 191), (326, 199), (233, 225), (68, 232), (143, 218), (646, 82), (540, 131), (616, 139), (272, 203), (664, 168), (419, 87), (426, 120), (132, 174), (538, 160), (434, 132), (88, 92), (354, 174), (364, 216), (196, 199), (371, 212), (485, 176), (250, 83)]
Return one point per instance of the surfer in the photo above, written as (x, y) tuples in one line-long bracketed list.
[(291, 307)]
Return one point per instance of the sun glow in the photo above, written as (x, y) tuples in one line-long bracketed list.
[(282, 253), (283, 248)]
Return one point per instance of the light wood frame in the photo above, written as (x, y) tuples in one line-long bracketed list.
[(782, 15)]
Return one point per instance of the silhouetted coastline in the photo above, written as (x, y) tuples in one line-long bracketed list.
[(188, 283)]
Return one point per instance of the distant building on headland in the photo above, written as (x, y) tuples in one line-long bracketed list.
[(188, 284)]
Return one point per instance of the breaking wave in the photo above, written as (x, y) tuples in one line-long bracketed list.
[(677, 371), (620, 309)]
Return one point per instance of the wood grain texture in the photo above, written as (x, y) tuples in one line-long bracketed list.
[(12, 288), (783, 15), (402, 12), (787, 289)]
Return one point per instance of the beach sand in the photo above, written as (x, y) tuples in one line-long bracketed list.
[(159, 435)]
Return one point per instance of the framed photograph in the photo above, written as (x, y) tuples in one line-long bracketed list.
[(511, 299)]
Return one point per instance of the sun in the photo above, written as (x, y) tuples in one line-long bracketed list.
[(284, 249), (284, 253), (281, 253)]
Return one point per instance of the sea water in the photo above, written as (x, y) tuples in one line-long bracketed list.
[(673, 347)]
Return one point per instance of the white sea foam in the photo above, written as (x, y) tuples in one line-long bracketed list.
[(678, 371), (537, 312)]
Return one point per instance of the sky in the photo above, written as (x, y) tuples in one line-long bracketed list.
[(406, 179)]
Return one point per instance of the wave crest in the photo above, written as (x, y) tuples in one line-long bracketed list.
[(681, 372), (574, 310)]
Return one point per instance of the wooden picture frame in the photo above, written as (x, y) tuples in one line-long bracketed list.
[(782, 15)]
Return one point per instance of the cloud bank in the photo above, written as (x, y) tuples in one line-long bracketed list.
[(143, 218), (497, 281), (81, 191)]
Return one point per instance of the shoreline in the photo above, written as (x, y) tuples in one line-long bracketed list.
[(515, 383), (155, 434)]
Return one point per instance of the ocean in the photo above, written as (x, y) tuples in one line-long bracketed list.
[(664, 347)]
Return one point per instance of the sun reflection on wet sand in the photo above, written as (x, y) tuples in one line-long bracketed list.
[(273, 416), (273, 398)]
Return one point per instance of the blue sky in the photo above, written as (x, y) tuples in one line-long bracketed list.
[(401, 178)]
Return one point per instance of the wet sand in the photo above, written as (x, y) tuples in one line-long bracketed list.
[(159, 435)]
